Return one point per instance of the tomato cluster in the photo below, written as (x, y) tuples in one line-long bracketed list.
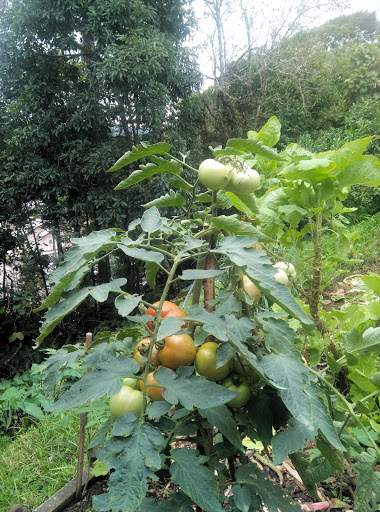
[(177, 350), (235, 177), (205, 364)]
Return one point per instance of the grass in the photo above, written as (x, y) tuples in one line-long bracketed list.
[(38, 461)]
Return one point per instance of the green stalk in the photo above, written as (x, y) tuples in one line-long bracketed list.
[(349, 408), (157, 324)]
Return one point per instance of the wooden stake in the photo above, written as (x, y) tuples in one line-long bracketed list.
[(82, 434)]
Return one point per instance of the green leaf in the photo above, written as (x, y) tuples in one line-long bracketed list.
[(101, 434), (32, 409), (364, 171), (372, 281), (242, 497), (132, 457), (171, 199), (253, 146), (189, 275), (292, 213), (348, 153), (177, 502), (367, 483), (126, 303), (72, 300), (243, 203), (191, 391), (188, 471), (97, 383), (62, 357), (141, 254), (272, 495), (271, 131), (258, 267), (357, 342), (169, 326), (239, 227), (169, 166), (221, 417), (141, 151), (76, 262), (293, 438), (178, 182), (313, 171), (155, 410), (151, 221), (151, 269)]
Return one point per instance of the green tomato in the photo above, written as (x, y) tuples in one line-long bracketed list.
[(205, 362), (282, 277), (288, 268), (243, 179), (132, 383), (240, 385), (127, 400), (213, 174)]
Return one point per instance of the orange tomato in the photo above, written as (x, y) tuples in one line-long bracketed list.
[(179, 350), (168, 309), (137, 355), (155, 394)]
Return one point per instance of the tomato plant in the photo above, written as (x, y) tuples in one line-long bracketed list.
[(214, 239)]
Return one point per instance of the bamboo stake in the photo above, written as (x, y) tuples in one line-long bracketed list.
[(82, 433)]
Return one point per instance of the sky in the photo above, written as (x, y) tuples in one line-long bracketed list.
[(235, 32)]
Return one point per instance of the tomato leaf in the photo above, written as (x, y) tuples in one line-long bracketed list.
[(313, 171), (140, 151), (72, 300), (188, 471), (191, 391), (141, 254), (55, 362), (101, 434), (253, 146), (239, 227), (171, 199), (157, 409), (271, 131), (271, 493), (222, 418), (151, 269), (293, 438), (258, 268), (367, 483), (190, 274), (97, 383), (132, 458), (169, 326), (243, 203), (347, 154), (177, 502), (364, 171), (126, 303), (76, 262), (356, 341), (152, 221)]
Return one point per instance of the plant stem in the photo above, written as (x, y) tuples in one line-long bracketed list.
[(349, 408), (181, 162)]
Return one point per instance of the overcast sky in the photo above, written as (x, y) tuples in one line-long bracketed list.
[(235, 31)]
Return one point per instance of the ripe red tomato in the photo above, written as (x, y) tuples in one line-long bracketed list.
[(179, 350), (154, 393), (205, 362), (137, 355), (168, 309), (127, 400)]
